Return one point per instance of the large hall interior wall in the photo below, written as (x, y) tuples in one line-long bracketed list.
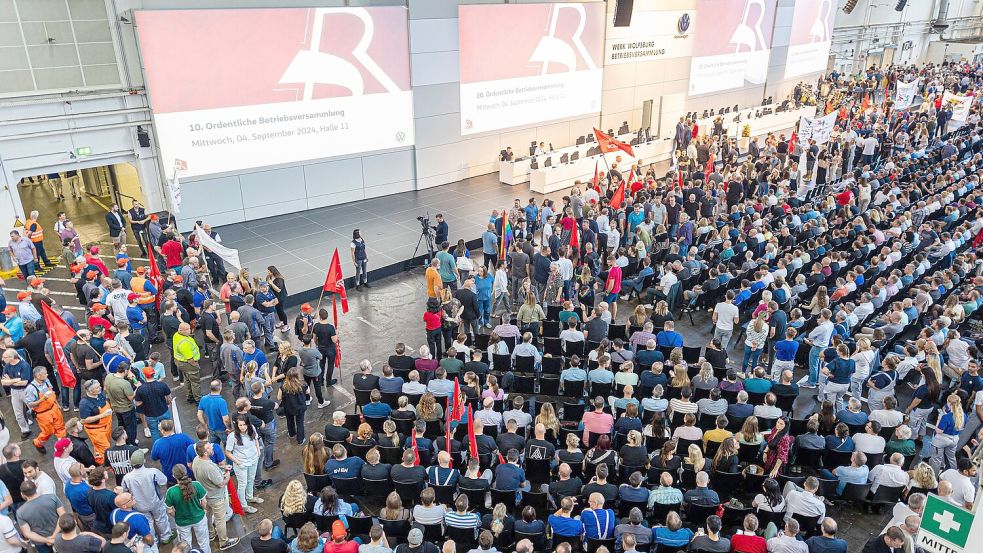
[(873, 25)]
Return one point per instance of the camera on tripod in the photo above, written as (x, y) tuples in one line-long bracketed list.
[(427, 235)]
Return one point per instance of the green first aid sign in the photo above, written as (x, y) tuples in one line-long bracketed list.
[(944, 522)]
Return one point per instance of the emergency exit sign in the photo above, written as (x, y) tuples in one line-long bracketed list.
[(83, 151)]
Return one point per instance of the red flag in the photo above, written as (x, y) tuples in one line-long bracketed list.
[(416, 452), (335, 282), (710, 164), (865, 104), (234, 499), (501, 460), (472, 444), (680, 173), (60, 334), (619, 196), (596, 184), (447, 429), (457, 408), (155, 277), (609, 144)]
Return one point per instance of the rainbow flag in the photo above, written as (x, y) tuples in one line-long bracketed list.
[(506, 236)]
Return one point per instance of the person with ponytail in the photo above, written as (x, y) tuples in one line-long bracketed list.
[(950, 424), (186, 503)]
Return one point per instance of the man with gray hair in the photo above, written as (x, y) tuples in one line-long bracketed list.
[(786, 542), (336, 431), (889, 474), (642, 535), (17, 374)]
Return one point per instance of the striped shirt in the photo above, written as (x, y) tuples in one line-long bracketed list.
[(461, 520)]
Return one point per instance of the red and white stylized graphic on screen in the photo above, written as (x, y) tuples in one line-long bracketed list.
[(811, 38), (236, 89), (733, 44), (527, 63)]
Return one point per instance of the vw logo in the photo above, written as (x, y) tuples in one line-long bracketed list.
[(684, 22), (400, 136)]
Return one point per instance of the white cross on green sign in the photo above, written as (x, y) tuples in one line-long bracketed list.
[(944, 525)]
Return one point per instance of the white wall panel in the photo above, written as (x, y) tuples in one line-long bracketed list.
[(335, 198), (268, 187), (434, 68), (438, 130), (433, 35), (272, 210), (437, 99), (387, 168), (333, 176)]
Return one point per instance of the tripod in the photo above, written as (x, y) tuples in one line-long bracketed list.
[(425, 235)]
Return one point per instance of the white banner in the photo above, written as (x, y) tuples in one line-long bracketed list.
[(174, 188), (816, 128), (904, 97), (228, 255), (959, 105), (652, 35)]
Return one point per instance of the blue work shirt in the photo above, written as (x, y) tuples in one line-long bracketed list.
[(215, 407)]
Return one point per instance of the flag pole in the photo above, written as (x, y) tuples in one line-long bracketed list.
[(319, 298)]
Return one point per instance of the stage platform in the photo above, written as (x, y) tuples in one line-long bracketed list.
[(301, 244)]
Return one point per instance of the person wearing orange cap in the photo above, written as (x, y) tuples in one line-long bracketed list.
[(14, 325), (41, 398), (123, 272), (304, 323), (338, 543), (26, 308), (98, 318), (147, 292)]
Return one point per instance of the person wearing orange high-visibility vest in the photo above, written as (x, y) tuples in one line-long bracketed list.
[(97, 418), (34, 232), (41, 398), (146, 294)]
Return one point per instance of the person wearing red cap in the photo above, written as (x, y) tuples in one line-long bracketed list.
[(93, 261), (41, 398), (98, 317), (304, 323)]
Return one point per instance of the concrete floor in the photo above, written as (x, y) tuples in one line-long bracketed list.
[(391, 311)]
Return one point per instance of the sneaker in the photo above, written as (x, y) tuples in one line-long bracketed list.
[(308, 402), (367, 285), (262, 486), (231, 542), (250, 509), (25, 435), (808, 385), (168, 539), (256, 500), (274, 464), (64, 408), (323, 404), (146, 432), (41, 449)]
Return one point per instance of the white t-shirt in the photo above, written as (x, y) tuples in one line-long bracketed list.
[(8, 531), (963, 491), (726, 313)]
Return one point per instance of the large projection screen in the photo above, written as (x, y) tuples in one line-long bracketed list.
[(245, 88), (811, 38), (523, 64), (733, 44)]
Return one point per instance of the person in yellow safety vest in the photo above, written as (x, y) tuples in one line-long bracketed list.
[(33, 230), (187, 355), (40, 397)]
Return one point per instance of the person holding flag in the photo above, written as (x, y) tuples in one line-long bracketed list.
[(325, 334)]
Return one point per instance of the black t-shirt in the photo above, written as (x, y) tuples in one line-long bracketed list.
[(539, 450), (154, 397), (365, 382), (139, 345), (268, 546), (83, 353), (334, 433), (466, 483), (264, 409), (416, 474), (210, 322), (566, 488), (170, 324), (119, 458), (378, 471), (12, 475), (477, 367), (323, 332), (116, 548), (510, 440), (102, 502), (609, 491), (402, 362)]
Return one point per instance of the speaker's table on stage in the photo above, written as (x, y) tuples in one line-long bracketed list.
[(517, 172), (558, 177)]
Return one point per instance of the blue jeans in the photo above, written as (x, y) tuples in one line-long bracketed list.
[(484, 311), (814, 352), (269, 322), (268, 433), (218, 436), (27, 269), (753, 355), (152, 425)]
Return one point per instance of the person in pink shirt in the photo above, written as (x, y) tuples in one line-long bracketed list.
[(612, 288), (597, 421)]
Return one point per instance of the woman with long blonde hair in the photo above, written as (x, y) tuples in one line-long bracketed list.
[(547, 417), (294, 499), (680, 377), (863, 358), (394, 509), (933, 360), (429, 409), (947, 429), (922, 476), (639, 316), (749, 433), (389, 437), (694, 458), (315, 455)]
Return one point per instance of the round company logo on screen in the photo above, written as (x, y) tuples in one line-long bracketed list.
[(683, 24)]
